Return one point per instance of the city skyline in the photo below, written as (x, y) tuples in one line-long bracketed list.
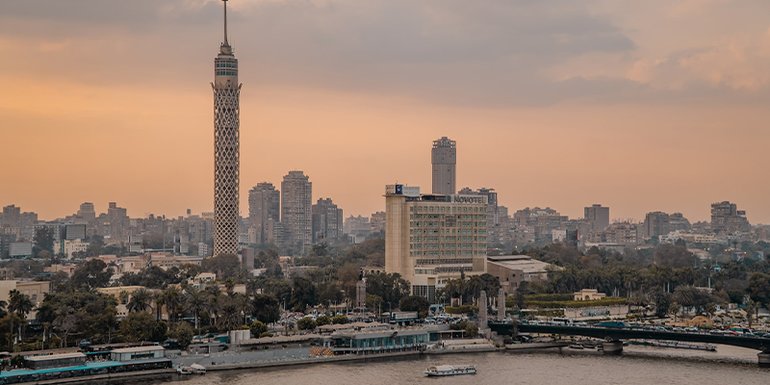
[(627, 115)]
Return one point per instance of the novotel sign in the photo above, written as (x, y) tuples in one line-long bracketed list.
[(479, 199)]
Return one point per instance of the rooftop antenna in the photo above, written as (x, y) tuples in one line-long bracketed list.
[(225, 1)]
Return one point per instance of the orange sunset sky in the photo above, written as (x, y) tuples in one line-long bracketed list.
[(638, 105)]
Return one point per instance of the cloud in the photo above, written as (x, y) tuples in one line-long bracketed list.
[(496, 52)]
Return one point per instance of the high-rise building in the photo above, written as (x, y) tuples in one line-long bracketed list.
[(86, 212), (493, 220), (430, 239), (598, 216), (327, 221), (226, 147), (264, 211), (656, 224), (444, 160), (297, 210), (117, 223), (727, 219)]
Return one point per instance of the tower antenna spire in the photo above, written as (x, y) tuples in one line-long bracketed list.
[(225, 2)]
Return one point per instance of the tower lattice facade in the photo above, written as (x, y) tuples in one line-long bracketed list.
[(226, 148)]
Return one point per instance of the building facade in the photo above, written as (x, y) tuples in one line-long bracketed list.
[(432, 238), (327, 221), (444, 161), (264, 211), (226, 148), (727, 219), (598, 216), (297, 210)]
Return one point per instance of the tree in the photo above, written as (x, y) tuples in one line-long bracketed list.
[(90, 275), (258, 328), (306, 323), (138, 327), (303, 295), (415, 303), (265, 308), (19, 305), (391, 288), (43, 239), (195, 302), (183, 333), (140, 301), (174, 301), (323, 320), (79, 312), (759, 288), (223, 265)]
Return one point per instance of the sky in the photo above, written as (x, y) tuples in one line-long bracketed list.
[(637, 105)]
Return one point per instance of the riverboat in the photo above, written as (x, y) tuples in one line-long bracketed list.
[(450, 370)]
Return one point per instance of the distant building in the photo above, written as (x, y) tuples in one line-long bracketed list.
[(512, 270), (537, 225), (588, 295), (444, 162), (297, 210), (432, 238), (598, 216), (727, 219), (327, 221), (357, 228), (657, 224), (377, 222), (20, 250), (264, 211), (622, 233), (35, 290)]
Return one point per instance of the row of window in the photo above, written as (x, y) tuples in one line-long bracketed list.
[(226, 73), (443, 261), (448, 209)]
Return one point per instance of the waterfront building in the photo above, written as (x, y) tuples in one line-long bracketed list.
[(444, 162), (326, 221), (493, 219), (297, 211), (226, 147), (430, 239), (35, 290), (598, 216), (264, 211)]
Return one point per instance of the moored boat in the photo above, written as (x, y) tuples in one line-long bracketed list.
[(450, 370)]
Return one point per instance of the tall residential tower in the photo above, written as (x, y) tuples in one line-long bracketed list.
[(443, 157), (226, 147)]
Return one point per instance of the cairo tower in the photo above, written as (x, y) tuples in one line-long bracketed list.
[(226, 148)]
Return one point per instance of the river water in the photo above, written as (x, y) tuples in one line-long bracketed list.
[(638, 365)]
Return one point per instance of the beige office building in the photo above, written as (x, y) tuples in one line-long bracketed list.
[(432, 238)]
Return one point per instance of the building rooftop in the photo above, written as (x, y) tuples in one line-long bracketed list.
[(524, 263), (139, 349)]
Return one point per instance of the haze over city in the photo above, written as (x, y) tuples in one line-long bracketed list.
[(645, 106)]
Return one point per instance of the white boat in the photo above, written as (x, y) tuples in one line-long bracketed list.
[(192, 369), (450, 370)]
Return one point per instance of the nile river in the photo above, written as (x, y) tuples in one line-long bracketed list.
[(638, 365)]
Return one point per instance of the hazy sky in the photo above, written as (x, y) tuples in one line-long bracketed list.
[(639, 105)]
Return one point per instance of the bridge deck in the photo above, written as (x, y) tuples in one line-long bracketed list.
[(758, 343)]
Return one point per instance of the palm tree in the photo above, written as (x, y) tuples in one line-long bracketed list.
[(140, 301), (174, 301), (20, 305), (196, 302)]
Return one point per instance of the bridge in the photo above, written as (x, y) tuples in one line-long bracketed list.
[(614, 335)]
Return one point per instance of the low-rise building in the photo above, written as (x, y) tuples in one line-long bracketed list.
[(588, 295), (512, 270)]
